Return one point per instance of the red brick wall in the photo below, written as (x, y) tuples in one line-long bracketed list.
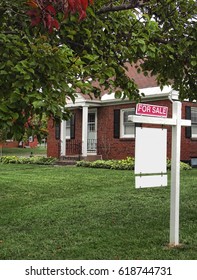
[(33, 144), (188, 146), (53, 145), (15, 144), (12, 144)]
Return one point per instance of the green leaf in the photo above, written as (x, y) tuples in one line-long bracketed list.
[(4, 108), (37, 104)]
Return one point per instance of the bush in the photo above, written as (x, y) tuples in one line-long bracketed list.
[(27, 160), (183, 165), (124, 164)]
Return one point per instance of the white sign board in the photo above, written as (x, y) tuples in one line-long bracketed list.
[(150, 150), (151, 181)]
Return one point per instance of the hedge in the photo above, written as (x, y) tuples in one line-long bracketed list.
[(27, 160), (124, 164)]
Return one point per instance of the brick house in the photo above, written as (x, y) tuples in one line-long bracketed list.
[(99, 128), (32, 142)]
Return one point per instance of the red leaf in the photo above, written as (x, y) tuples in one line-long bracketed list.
[(35, 17), (32, 3), (56, 24), (71, 5), (35, 21), (84, 4), (48, 21), (51, 10), (82, 15)]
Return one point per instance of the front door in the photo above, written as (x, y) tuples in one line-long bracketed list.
[(92, 132)]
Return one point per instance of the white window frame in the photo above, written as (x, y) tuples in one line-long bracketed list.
[(193, 124), (31, 139), (95, 112), (122, 134), (68, 124)]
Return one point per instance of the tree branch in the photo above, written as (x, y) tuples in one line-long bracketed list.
[(126, 5)]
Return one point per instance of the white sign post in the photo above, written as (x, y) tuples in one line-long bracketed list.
[(175, 174), (176, 122)]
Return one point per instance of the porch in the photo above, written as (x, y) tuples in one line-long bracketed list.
[(74, 151), (79, 134)]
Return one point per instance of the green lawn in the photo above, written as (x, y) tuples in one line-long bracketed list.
[(81, 213), (41, 150)]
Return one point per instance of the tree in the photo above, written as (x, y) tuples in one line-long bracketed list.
[(48, 52)]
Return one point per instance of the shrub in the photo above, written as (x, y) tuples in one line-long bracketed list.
[(124, 164), (27, 160), (183, 165)]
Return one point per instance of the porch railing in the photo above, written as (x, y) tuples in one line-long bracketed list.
[(92, 145), (73, 147)]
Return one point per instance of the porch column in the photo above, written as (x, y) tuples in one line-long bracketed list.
[(84, 130), (63, 139)]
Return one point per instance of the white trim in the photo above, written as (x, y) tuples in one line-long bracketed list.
[(193, 124), (151, 94), (96, 118), (68, 135), (122, 135), (63, 139), (84, 130)]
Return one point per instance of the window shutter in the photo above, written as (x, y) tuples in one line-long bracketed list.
[(138, 125), (72, 127), (188, 130), (116, 123), (57, 129)]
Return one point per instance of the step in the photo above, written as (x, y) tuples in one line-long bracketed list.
[(71, 157), (65, 162), (92, 157)]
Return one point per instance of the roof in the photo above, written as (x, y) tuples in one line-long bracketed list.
[(146, 85), (140, 79)]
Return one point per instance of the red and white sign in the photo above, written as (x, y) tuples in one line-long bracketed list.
[(151, 110)]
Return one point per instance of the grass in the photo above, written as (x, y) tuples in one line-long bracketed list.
[(23, 151), (81, 213)]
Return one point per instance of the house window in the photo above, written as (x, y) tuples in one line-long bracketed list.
[(194, 122), (127, 128), (68, 129), (57, 129), (91, 122), (31, 139)]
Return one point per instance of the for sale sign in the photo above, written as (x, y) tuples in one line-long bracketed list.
[(151, 110)]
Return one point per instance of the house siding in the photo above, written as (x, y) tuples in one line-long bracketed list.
[(53, 144), (17, 144), (11, 144), (188, 145)]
